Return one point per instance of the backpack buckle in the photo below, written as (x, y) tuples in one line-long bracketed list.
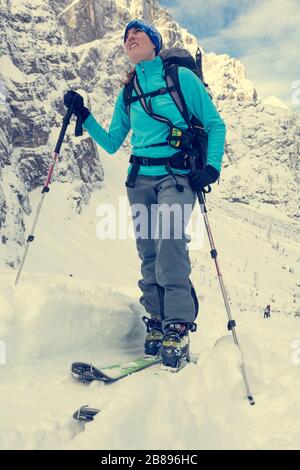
[(186, 161), (144, 161)]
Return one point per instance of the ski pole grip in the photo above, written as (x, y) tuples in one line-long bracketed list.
[(66, 122)]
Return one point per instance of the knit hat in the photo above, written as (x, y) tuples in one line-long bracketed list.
[(149, 29)]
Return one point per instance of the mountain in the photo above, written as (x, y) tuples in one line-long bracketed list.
[(276, 102), (261, 163), (51, 46)]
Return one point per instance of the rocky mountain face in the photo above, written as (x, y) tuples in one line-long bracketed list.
[(49, 46), (261, 164), (36, 67)]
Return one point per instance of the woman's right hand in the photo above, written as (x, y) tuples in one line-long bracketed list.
[(72, 97)]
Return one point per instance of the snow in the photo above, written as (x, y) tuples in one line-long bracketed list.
[(69, 7), (10, 71), (77, 299), (274, 101), (65, 320)]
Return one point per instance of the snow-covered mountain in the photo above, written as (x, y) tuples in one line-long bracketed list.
[(274, 101), (78, 297), (48, 47)]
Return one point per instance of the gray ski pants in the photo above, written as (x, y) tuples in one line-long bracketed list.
[(160, 214)]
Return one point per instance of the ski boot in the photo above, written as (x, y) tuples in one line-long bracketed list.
[(154, 336), (175, 349)]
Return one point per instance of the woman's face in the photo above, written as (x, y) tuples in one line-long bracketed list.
[(139, 46)]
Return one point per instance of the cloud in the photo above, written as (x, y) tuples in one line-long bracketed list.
[(207, 16), (268, 19), (263, 34)]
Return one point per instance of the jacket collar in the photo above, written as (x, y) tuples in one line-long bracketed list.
[(149, 66)]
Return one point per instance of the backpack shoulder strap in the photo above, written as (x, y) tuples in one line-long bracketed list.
[(127, 95), (148, 106), (140, 95), (172, 79)]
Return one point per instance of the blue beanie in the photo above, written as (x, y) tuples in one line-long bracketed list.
[(149, 29)]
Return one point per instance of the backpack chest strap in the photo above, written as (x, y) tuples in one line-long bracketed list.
[(147, 106), (161, 91)]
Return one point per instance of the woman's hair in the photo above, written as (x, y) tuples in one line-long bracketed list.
[(129, 77)]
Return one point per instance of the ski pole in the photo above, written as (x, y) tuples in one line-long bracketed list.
[(46, 189), (214, 254)]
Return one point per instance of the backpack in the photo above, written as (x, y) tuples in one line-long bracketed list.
[(195, 137)]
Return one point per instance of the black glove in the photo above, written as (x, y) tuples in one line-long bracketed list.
[(80, 111), (199, 179)]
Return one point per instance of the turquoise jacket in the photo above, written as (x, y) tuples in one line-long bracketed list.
[(146, 130)]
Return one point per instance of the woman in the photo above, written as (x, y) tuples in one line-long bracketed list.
[(168, 295)]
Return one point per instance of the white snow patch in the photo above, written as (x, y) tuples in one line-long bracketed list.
[(72, 4), (276, 102), (10, 71)]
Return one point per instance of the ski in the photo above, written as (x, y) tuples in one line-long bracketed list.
[(85, 414), (87, 373)]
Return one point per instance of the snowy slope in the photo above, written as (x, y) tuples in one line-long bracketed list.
[(51, 319)]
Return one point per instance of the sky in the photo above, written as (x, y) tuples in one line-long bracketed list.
[(263, 34)]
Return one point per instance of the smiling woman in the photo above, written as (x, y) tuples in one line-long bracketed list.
[(144, 37), (160, 176), (149, 29), (139, 46)]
